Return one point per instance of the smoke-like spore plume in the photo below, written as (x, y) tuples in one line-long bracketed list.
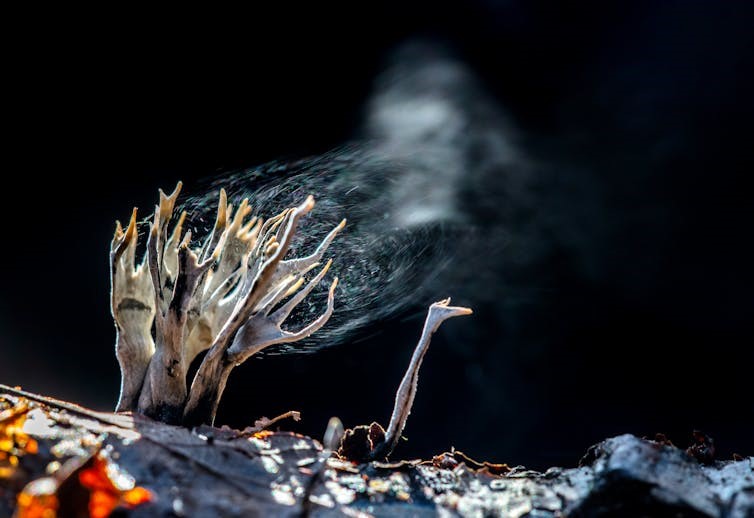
[(420, 188)]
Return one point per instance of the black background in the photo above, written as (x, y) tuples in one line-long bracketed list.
[(647, 327)]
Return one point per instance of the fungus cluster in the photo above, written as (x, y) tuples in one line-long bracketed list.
[(229, 296)]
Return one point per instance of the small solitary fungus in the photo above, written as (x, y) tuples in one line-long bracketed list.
[(229, 296), (366, 443)]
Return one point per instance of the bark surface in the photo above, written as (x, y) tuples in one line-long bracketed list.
[(210, 471)]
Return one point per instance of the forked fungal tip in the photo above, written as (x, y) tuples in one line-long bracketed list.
[(457, 310), (333, 286), (307, 205), (181, 220), (186, 240), (131, 230), (223, 208)]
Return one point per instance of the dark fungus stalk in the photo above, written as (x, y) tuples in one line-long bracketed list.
[(373, 442), (230, 296)]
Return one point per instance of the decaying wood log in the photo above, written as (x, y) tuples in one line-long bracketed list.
[(52, 450)]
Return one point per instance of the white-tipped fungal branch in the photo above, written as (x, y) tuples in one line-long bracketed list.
[(366, 443), (404, 397), (230, 295)]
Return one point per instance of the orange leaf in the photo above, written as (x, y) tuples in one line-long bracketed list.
[(105, 495), (13, 441), (136, 496), (38, 500)]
